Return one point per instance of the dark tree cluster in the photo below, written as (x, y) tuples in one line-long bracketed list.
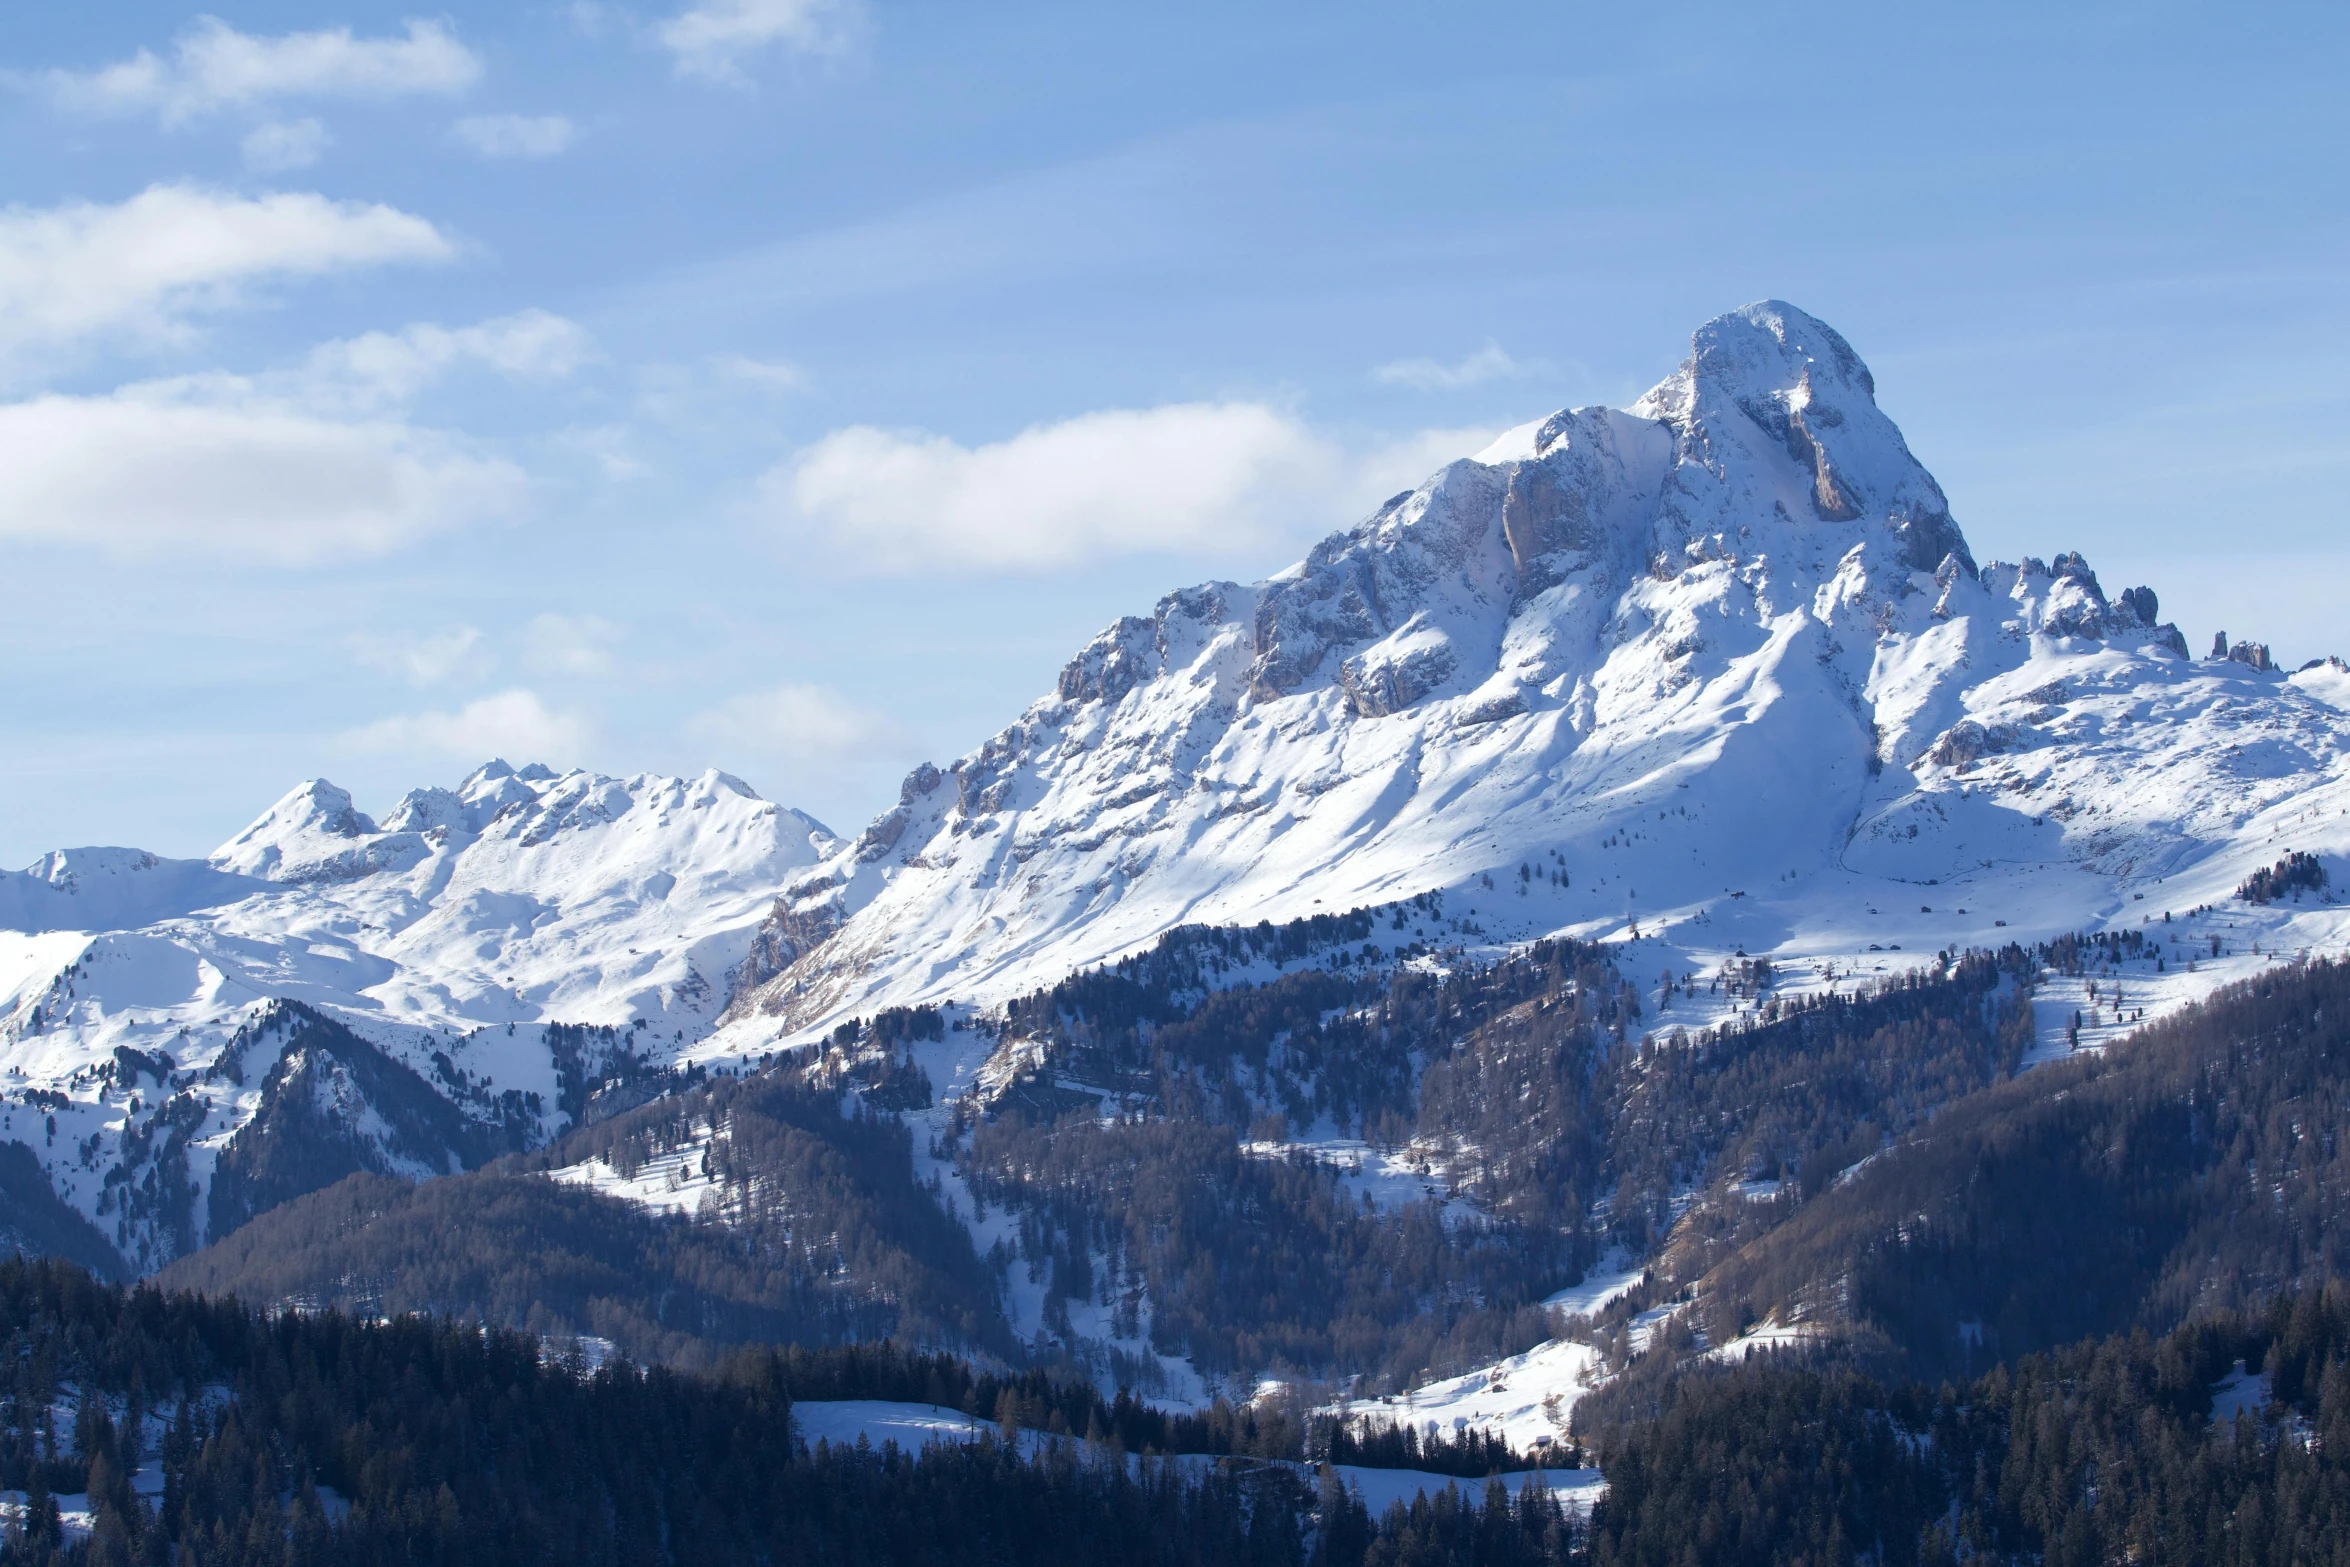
[(314, 1440), (817, 1233), (2104, 1451), (200, 1434), (1469, 1454), (2288, 878)]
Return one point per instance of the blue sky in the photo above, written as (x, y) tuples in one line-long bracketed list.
[(792, 386)]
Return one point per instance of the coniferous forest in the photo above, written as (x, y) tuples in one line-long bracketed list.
[(200, 1432)]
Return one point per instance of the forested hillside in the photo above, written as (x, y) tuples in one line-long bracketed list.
[(1161, 1154), (1549, 1113), (2115, 1450), (176, 1430), (832, 1240), (2204, 1164)]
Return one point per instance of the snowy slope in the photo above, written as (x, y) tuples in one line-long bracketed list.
[(1720, 667), (113, 889), (466, 923)]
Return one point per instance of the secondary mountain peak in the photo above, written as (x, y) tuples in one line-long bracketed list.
[(301, 838), (473, 940)]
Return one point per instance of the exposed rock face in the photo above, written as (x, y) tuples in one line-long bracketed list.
[(1741, 602), (1967, 742), (2254, 655)]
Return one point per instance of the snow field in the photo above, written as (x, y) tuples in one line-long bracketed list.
[(916, 1426)]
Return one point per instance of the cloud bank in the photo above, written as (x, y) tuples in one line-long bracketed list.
[(153, 470)]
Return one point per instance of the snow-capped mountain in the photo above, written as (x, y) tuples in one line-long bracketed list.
[(1719, 671), (1720, 667), (452, 939)]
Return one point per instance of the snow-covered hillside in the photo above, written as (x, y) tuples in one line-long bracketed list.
[(466, 923), (1719, 670)]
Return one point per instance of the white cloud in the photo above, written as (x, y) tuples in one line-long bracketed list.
[(511, 723), (1200, 479), (281, 145), (212, 66), (516, 135), (530, 344), (424, 660), (569, 644), (208, 468), (710, 39), (796, 720), (1213, 477), (145, 266), (1489, 363)]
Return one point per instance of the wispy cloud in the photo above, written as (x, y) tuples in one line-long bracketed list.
[(1490, 363), (281, 145), (150, 265), (568, 644), (512, 723), (775, 375), (1207, 475), (424, 659), (611, 447), (516, 135), (388, 366), (212, 67), (712, 39)]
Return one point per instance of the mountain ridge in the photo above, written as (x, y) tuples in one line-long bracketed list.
[(465, 947)]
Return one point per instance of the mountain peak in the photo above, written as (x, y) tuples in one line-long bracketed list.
[(1737, 617), (314, 820), (1772, 346), (1770, 393)]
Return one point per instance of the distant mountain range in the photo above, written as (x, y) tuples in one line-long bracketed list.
[(451, 938)]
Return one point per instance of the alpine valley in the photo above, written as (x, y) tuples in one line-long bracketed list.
[(1648, 893)]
